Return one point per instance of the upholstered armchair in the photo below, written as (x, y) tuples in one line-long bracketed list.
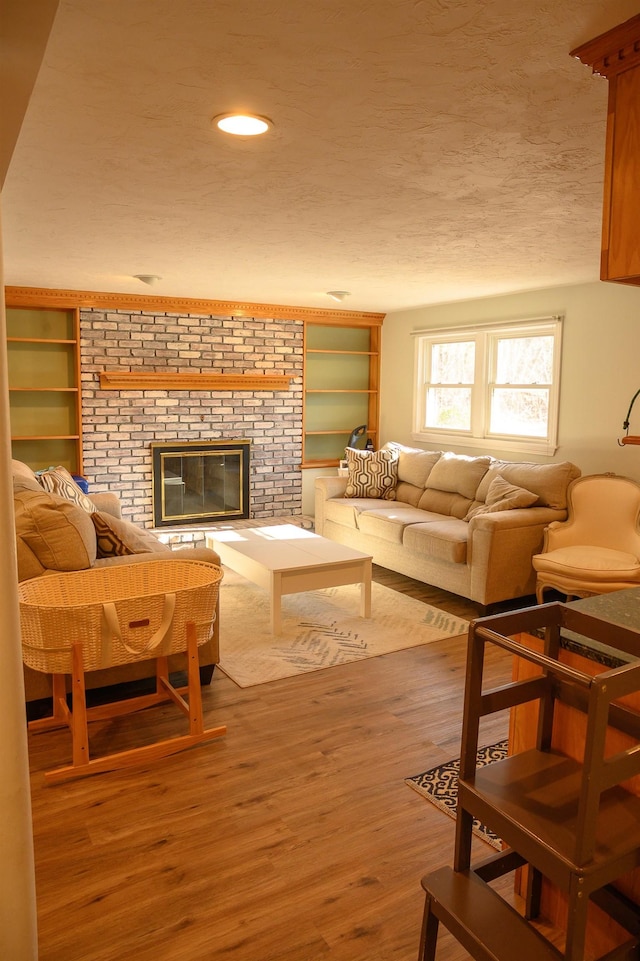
[(597, 549)]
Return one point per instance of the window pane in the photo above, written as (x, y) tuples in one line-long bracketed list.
[(525, 360), (524, 412), (491, 384), (453, 363), (449, 408)]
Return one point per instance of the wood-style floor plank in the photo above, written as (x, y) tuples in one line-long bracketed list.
[(293, 838)]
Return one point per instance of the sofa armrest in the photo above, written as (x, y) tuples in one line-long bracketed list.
[(325, 489), (107, 502), (197, 554), (501, 545), (561, 534), (328, 487), (519, 517)]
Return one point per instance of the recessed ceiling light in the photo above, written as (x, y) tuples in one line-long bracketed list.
[(338, 294), (242, 124)]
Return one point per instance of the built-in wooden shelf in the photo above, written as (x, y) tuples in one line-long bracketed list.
[(138, 380)]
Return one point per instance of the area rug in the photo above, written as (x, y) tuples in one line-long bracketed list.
[(320, 629), (440, 786)]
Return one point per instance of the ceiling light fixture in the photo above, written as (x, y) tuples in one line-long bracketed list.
[(338, 295), (242, 124), (149, 279)]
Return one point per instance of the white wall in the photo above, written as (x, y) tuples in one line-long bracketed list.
[(600, 368)]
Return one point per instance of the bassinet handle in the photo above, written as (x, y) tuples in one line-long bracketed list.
[(112, 622)]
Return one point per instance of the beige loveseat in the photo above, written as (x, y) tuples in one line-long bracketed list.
[(468, 525), (62, 529)]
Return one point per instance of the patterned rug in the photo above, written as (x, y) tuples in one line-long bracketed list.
[(320, 629), (440, 786)]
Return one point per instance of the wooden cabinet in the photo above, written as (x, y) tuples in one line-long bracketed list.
[(570, 732), (44, 387), (616, 56), (341, 387)]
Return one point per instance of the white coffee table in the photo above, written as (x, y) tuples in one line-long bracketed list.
[(285, 559)]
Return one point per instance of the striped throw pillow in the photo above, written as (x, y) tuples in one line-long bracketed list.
[(58, 480)]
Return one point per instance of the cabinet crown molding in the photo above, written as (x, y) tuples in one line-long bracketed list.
[(44, 297), (612, 52)]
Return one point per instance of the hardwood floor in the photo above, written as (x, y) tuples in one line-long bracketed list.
[(293, 838)]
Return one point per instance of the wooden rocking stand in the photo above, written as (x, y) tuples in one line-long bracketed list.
[(78, 716)]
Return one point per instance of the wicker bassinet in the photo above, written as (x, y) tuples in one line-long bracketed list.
[(118, 614)]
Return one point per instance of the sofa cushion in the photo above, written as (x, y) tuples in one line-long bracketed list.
[(458, 474), (60, 534), (503, 496), (23, 477), (548, 481), (414, 467), (583, 562), (444, 502), (414, 464), (389, 523), (347, 511), (371, 473), (117, 538), (58, 480), (444, 539)]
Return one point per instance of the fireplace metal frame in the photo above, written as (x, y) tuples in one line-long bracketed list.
[(161, 451)]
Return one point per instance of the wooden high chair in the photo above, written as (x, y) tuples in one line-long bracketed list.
[(573, 822)]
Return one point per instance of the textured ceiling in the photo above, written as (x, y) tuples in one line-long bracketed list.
[(423, 150)]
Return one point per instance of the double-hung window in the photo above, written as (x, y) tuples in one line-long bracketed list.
[(491, 386)]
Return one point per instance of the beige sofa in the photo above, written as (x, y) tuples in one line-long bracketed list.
[(59, 528), (468, 525)]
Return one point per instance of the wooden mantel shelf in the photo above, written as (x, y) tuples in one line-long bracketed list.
[(138, 380)]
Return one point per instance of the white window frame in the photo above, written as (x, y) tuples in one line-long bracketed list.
[(486, 338)]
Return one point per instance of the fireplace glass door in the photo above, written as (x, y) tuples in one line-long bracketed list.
[(200, 483)]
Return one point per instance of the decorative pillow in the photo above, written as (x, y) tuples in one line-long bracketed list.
[(60, 534), (117, 538), (58, 480), (549, 481), (372, 473), (503, 496)]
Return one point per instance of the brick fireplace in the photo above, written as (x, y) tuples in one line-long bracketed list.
[(121, 425)]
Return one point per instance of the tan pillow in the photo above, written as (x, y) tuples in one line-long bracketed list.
[(503, 496), (458, 474), (371, 473), (28, 564), (548, 481), (59, 533), (116, 537), (58, 480)]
